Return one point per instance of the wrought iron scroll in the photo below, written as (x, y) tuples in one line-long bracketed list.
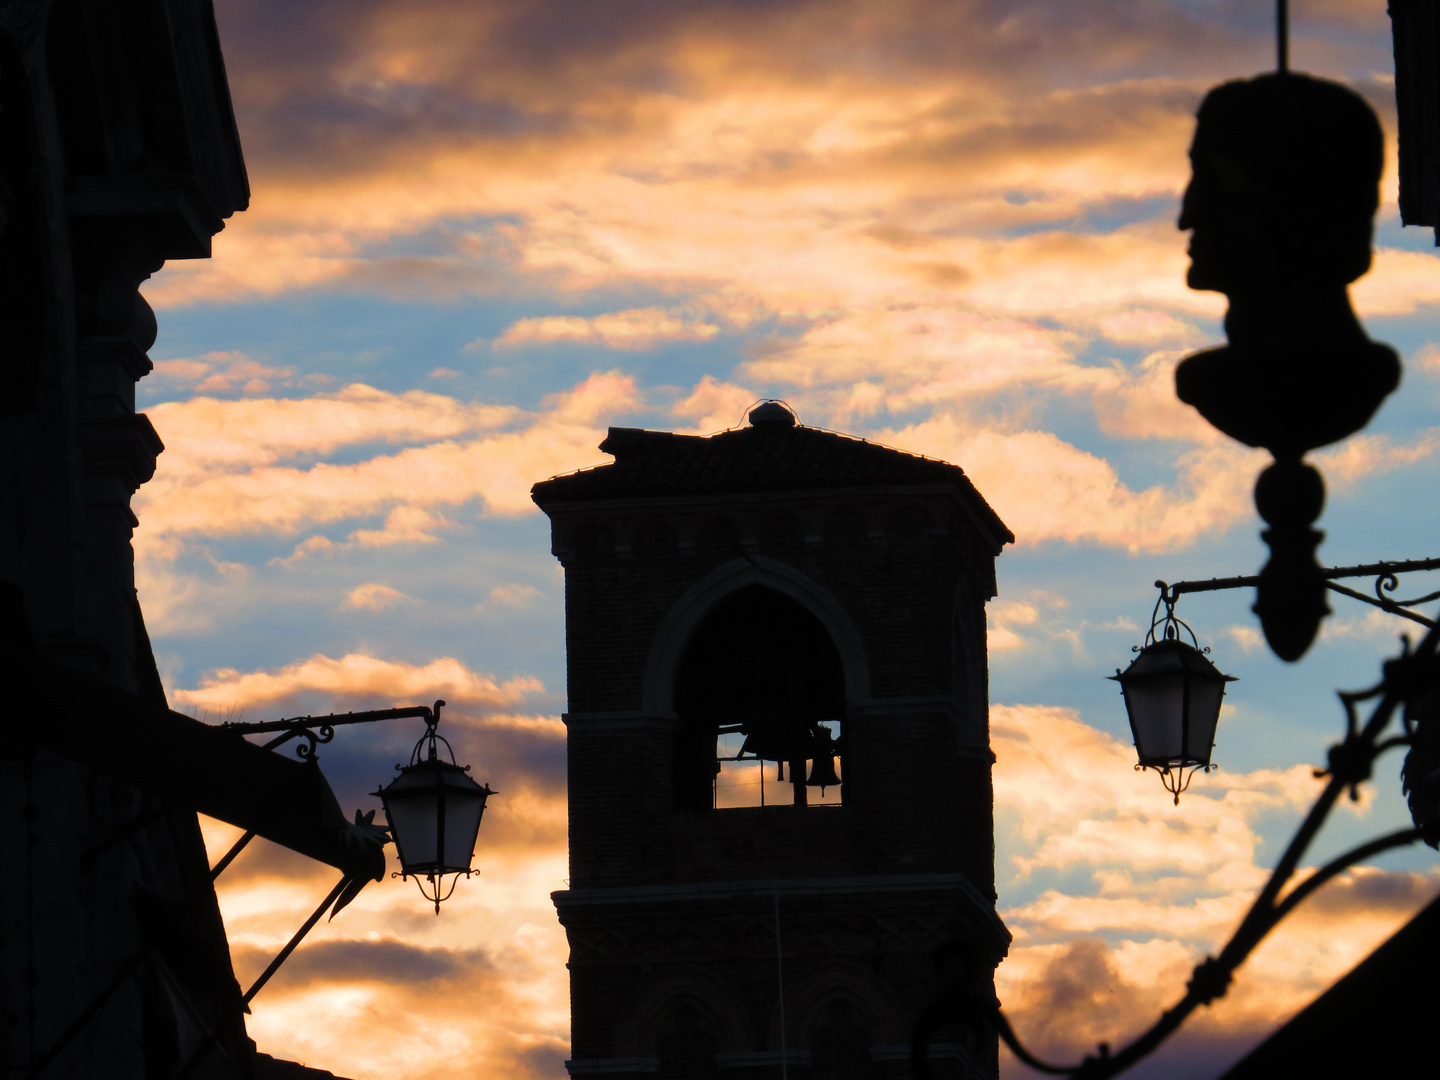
[(317, 730), (1386, 575)]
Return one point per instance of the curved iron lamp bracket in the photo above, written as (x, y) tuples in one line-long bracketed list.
[(1408, 677), (316, 730), (1386, 575)]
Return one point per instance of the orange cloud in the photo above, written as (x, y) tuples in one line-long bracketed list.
[(1097, 961), (1400, 283), (388, 988), (231, 483), (357, 676), (1046, 489), (221, 372), (1374, 455), (374, 596), (205, 435), (713, 406), (637, 329), (514, 594), (1003, 617)]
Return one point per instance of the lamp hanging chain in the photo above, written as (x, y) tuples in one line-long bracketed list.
[(1282, 36)]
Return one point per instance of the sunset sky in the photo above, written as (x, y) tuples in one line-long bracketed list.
[(482, 231)]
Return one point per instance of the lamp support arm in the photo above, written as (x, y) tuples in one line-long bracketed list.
[(368, 716), (1384, 605), (1349, 765), (1386, 574), (316, 730), (294, 941), (321, 729)]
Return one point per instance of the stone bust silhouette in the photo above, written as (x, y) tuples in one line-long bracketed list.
[(1286, 172)]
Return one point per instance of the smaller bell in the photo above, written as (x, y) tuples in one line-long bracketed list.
[(823, 775)]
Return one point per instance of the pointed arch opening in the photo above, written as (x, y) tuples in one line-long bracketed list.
[(759, 700)]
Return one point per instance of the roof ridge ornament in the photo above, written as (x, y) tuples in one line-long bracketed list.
[(772, 414)]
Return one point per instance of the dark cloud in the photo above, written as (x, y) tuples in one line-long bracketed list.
[(1084, 1000), (392, 962), (260, 859), (334, 87), (547, 1060), (533, 754), (1079, 992), (1374, 892)]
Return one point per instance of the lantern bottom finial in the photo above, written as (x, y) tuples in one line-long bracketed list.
[(1176, 778)]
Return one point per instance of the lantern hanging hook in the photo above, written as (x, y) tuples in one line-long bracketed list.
[(1168, 624), (431, 740)]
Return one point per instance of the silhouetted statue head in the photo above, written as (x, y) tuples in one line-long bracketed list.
[(1286, 178), (1282, 205)]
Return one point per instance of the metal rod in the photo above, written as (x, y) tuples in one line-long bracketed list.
[(238, 847), (780, 976), (1399, 838), (1282, 36), (1384, 605), (294, 941), (1379, 569), (281, 739), (330, 720)]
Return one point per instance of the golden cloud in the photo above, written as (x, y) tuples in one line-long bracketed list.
[(373, 596), (388, 988), (357, 676), (1374, 455), (1046, 489), (227, 480), (637, 329), (1097, 962)]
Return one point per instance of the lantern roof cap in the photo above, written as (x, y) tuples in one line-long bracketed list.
[(1170, 654)]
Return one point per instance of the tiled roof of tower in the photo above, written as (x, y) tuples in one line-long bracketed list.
[(765, 456)]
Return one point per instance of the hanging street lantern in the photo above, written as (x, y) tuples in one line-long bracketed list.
[(1173, 695), (434, 810)]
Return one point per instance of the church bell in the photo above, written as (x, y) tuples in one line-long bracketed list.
[(823, 775)]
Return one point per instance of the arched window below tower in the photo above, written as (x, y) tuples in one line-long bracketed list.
[(760, 696), (839, 1047), (688, 1051)]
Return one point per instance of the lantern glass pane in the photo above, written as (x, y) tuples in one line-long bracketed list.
[(462, 822), (1154, 704), (1205, 698), (413, 821)]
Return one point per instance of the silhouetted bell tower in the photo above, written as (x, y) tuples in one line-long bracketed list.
[(778, 744)]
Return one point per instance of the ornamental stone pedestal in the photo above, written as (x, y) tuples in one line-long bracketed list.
[(726, 918)]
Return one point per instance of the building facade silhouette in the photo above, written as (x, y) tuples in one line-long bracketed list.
[(118, 153), (818, 601)]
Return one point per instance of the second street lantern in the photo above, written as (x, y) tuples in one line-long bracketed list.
[(1173, 695), (434, 810)]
